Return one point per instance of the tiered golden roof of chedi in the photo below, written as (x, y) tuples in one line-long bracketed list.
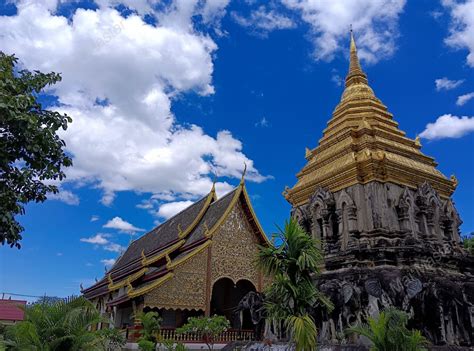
[(362, 143)]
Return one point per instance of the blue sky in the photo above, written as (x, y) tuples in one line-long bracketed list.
[(164, 95)]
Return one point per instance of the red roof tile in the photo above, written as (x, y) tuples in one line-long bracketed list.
[(10, 310)]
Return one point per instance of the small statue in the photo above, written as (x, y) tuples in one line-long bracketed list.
[(454, 180)]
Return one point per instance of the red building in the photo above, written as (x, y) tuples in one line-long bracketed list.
[(11, 311)]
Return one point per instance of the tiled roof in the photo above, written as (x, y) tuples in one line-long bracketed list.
[(162, 235), (11, 310), (195, 221)]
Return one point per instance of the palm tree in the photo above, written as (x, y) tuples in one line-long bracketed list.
[(388, 332), (292, 295), (60, 325)]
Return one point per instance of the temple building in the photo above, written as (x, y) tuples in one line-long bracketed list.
[(199, 262), (386, 221)]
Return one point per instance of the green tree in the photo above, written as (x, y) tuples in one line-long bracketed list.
[(63, 325), (208, 327), (31, 153), (150, 322), (110, 339), (292, 296), (468, 243), (388, 332)]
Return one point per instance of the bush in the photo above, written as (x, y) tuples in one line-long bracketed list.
[(111, 339), (209, 327), (388, 332), (146, 345)]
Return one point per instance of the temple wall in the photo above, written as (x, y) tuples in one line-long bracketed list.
[(384, 209), (186, 290), (234, 249)]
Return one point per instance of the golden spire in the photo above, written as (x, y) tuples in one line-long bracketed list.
[(355, 74)]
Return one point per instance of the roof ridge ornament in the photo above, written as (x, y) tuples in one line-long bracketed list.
[(242, 180)]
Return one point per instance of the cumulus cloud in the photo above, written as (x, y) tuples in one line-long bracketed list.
[(101, 240), (98, 239), (461, 100), (375, 23), (121, 225), (263, 20), (447, 84), (120, 76), (448, 126), (169, 209), (166, 205), (108, 262), (461, 30), (65, 196)]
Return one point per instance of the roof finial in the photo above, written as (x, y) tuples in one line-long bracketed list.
[(214, 181), (355, 75), (243, 174)]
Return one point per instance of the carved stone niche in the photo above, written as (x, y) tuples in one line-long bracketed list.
[(303, 217), (423, 215), (428, 213), (450, 222), (405, 211), (325, 219), (347, 213)]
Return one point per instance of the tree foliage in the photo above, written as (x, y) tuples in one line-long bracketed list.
[(388, 332), (151, 322), (468, 243), (31, 153), (292, 296), (62, 325), (208, 327)]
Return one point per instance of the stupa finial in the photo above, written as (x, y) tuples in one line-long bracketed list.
[(355, 74)]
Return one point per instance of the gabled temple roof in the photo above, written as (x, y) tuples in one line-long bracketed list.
[(149, 261), (362, 143)]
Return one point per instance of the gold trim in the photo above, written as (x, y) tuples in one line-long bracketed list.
[(210, 197), (252, 212), (173, 264), (227, 211), (153, 259), (140, 291), (126, 281), (242, 190)]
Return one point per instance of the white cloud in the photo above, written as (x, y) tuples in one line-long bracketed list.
[(121, 225), (103, 241), (448, 126), (263, 20), (375, 24), (461, 100), (263, 123), (447, 84), (130, 141), (65, 196), (94, 218), (461, 30), (98, 239), (109, 262), (336, 78), (169, 209), (113, 247)]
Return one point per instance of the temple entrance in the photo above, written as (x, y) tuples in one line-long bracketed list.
[(226, 296)]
